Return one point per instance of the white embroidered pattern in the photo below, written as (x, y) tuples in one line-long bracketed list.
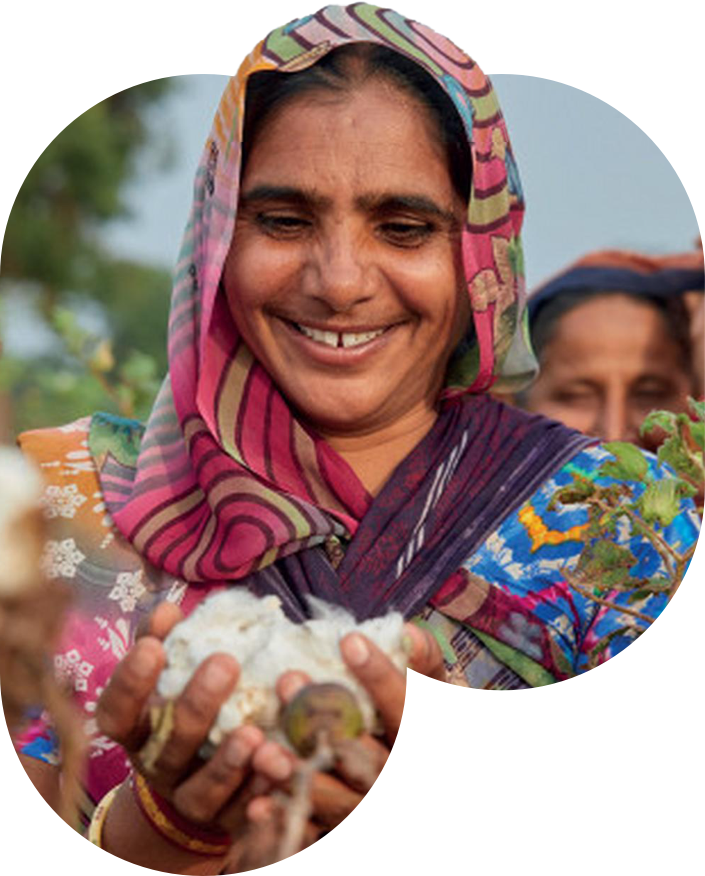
[(62, 501), (70, 666), (115, 640), (128, 589), (61, 559)]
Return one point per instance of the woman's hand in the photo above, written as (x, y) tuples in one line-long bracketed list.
[(336, 794), (233, 789), (213, 793)]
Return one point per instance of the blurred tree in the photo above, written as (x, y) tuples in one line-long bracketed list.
[(52, 255)]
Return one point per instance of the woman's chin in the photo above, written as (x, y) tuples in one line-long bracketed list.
[(342, 414)]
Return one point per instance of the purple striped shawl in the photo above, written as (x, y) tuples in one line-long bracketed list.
[(481, 461)]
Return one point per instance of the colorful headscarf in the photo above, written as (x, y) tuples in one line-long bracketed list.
[(615, 270), (227, 479)]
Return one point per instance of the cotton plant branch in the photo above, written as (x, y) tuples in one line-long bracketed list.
[(604, 566), (323, 723)]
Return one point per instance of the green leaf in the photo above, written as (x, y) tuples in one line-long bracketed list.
[(606, 564), (630, 463), (138, 368), (658, 584), (580, 490), (697, 430), (659, 420), (660, 502), (697, 408), (685, 489), (673, 453)]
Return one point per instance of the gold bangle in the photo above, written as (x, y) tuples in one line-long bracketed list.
[(95, 828), (191, 838)]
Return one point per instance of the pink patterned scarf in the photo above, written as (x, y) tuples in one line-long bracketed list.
[(228, 481)]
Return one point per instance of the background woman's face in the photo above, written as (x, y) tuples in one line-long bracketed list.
[(344, 275), (610, 362)]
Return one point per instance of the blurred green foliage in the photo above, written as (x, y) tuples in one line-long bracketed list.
[(52, 256)]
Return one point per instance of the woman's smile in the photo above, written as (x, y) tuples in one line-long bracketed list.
[(338, 347), (344, 276)]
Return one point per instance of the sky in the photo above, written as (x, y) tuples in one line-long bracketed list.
[(592, 179)]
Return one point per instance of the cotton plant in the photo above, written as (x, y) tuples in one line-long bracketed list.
[(605, 562)]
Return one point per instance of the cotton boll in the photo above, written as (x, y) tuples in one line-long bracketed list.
[(328, 711), (266, 643), (22, 525)]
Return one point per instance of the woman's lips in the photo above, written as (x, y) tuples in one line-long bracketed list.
[(337, 347)]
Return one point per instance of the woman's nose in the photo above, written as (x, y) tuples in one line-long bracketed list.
[(338, 271), (614, 420)]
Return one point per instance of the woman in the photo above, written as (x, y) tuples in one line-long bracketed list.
[(349, 286), (618, 335)]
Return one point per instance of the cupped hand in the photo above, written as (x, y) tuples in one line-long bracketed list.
[(234, 787), (215, 792), (335, 794)]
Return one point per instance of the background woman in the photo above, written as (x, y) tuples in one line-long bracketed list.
[(618, 335)]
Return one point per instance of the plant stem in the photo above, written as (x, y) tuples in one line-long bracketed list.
[(667, 553), (584, 591), (299, 807)]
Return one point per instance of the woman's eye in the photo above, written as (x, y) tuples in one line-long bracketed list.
[(282, 224), (652, 395), (573, 398), (406, 233)]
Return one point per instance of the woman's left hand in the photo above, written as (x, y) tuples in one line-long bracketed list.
[(334, 795)]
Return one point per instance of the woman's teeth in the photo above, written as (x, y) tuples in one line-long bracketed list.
[(339, 339)]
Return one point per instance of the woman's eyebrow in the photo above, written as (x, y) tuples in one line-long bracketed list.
[(390, 202), (265, 193), (371, 203)]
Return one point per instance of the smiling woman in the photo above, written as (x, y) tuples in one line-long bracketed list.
[(350, 285), (344, 276)]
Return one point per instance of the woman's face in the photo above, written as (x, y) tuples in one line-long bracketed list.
[(344, 275), (610, 362)]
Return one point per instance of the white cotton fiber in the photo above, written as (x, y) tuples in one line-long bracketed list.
[(21, 523), (266, 643)]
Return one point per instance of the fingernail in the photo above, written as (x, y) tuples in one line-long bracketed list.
[(279, 767), (216, 677), (260, 810), (237, 752), (144, 662), (418, 643), (291, 685), (356, 650)]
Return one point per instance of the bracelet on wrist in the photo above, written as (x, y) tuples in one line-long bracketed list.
[(168, 823), (100, 813)]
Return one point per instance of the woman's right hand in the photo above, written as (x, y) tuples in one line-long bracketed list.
[(213, 793)]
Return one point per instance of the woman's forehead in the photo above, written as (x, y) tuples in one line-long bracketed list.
[(612, 323), (372, 139)]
